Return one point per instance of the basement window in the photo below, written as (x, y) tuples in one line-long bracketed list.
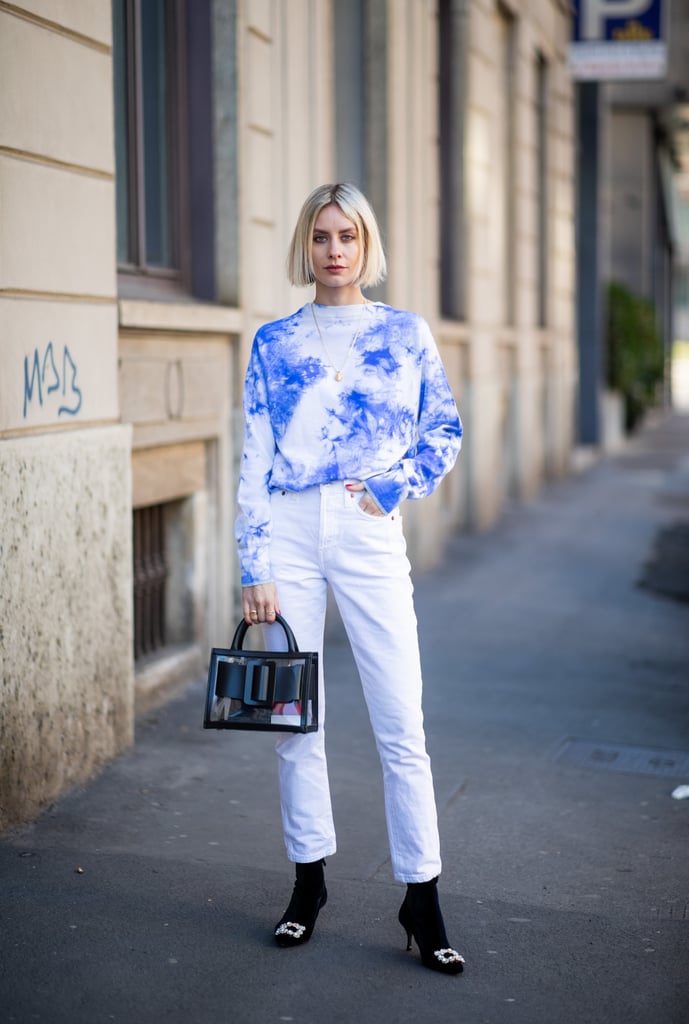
[(165, 547), (150, 579)]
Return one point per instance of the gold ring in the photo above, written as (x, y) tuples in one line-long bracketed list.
[(253, 611)]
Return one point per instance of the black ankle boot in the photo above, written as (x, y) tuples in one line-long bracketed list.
[(309, 895), (420, 916)]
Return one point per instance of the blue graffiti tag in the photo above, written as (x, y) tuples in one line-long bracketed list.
[(45, 379)]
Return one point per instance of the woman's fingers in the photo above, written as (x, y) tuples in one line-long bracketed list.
[(259, 603), (366, 502), (369, 506)]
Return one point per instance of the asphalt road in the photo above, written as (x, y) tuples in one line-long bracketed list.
[(557, 712)]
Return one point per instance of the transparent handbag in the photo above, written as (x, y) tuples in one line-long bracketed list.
[(270, 691)]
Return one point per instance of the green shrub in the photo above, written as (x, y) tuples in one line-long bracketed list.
[(636, 360)]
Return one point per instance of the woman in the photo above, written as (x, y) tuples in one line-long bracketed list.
[(348, 412)]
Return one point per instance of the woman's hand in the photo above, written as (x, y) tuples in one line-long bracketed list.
[(366, 502), (260, 603)]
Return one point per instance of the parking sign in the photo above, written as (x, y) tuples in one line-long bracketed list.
[(618, 39)]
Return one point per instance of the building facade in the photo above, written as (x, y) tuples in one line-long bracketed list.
[(154, 155), (646, 166), (633, 212)]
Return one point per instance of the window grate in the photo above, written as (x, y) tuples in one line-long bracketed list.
[(615, 757), (150, 578)]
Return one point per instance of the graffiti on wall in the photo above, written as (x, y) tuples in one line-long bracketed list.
[(52, 381)]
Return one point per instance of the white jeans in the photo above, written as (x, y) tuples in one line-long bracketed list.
[(321, 537)]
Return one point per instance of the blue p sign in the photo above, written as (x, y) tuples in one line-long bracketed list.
[(600, 20)]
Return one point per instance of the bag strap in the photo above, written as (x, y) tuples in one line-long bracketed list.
[(243, 628)]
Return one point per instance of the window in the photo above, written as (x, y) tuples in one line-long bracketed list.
[(542, 188), (361, 99), (350, 101), (452, 35), (163, 146), (508, 45)]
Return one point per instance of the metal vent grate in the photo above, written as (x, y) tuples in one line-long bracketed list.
[(672, 910), (150, 576), (672, 764)]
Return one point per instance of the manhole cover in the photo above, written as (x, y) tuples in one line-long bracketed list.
[(672, 764), (672, 910)]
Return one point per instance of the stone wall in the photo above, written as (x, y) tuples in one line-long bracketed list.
[(65, 612)]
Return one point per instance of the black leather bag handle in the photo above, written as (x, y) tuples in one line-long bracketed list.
[(244, 627)]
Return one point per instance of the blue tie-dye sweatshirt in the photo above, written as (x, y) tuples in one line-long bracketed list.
[(391, 421)]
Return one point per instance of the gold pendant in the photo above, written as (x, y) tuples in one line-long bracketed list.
[(338, 375)]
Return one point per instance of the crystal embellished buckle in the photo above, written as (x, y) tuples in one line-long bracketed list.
[(291, 928), (448, 956)]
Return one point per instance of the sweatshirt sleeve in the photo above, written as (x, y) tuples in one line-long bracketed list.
[(253, 523), (439, 437)]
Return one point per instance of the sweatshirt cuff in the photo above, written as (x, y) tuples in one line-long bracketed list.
[(387, 489), (253, 582), (256, 569)]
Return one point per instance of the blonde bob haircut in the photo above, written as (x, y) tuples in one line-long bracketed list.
[(357, 208)]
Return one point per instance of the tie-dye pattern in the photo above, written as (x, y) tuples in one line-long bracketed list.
[(391, 423)]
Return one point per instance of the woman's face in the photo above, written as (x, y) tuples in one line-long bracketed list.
[(336, 251)]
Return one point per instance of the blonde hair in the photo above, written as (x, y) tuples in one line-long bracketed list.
[(354, 205)]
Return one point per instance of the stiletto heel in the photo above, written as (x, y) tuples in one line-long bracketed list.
[(420, 916), (310, 894), (403, 919)]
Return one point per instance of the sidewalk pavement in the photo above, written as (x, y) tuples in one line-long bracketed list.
[(553, 678)]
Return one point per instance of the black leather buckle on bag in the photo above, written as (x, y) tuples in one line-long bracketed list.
[(259, 683)]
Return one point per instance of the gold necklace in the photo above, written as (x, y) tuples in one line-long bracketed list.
[(338, 373)]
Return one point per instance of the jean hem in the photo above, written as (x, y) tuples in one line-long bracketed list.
[(411, 879), (310, 858)]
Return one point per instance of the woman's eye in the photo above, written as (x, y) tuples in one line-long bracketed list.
[(348, 238), (320, 238)]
